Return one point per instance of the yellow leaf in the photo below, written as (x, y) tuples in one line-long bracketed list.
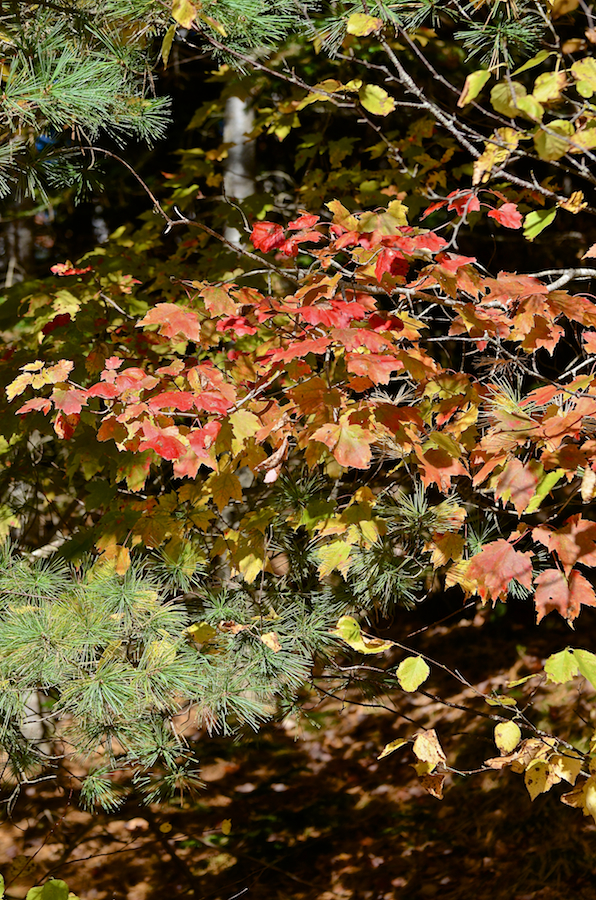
[(584, 71), (588, 487), (574, 204), (548, 86), (391, 747), (496, 152), (446, 547), (564, 766), (472, 86), (201, 632), (504, 97), (507, 736), (226, 826), (412, 672), (360, 24), (552, 141), (376, 100), (165, 828), (184, 12), (536, 778), (334, 555), (166, 45), (271, 640), (428, 749)]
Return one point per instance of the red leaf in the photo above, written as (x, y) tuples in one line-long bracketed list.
[(182, 400), (377, 367), (493, 568), (67, 268), (554, 593), (174, 321), (57, 322), (507, 215), (69, 402), (574, 542), (238, 324), (104, 390), (391, 261), (438, 467), (433, 208), (305, 221), (301, 348), (36, 405), (164, 441), (267, 236), (64, 426), (463, 203), (202, 438)]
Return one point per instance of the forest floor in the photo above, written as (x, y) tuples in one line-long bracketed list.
[(316, 816)]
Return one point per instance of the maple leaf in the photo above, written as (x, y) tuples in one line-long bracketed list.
[(164, 441), (378, 368), (38, 404), (463, 202), (304, 221), (70, 402), (574, 542), (238, 324), (104, 390), (555, 592), (392, 262), (67, 268), (518, 482), (439, 467), (182, 400), (301, 348), (507, 215), (224, 486), (267, 236), (350, 444), (495, 566), (218, 301), (173, 321)]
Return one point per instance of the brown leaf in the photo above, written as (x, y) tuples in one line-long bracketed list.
[(428, 749)]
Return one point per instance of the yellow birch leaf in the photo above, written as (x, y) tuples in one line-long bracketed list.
[(349, 631), (473, 85), (201, 632), (271, 640), (504, 97), (361, 24), (536, 778), (507, 736), (553, 143), (412, 672), (184, 12), (584, 71), (548, 87), (428, 749), (391, 747), (166, 45), (376, 100), (564, 766), (226, 826)]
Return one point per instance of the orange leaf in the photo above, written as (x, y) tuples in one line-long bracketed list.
[(556, 593), (574, 542), (517, 482), (350, 444)]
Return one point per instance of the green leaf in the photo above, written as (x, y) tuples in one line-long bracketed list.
[(561, 667), (473, 85), (537, 220), (544, 488), (507, 736), (584, 70), (35, 893), (535, 61), (1, 886), (55, 889), (334, 555), (360, 24), (392, 747), (166, 45), (412, 672), (504, 97), (349, 631), (376, 100), (586, 662), (554, 143)]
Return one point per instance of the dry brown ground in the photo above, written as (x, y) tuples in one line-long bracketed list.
[(315, 815)]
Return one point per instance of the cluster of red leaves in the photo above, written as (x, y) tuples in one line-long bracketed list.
[(303, 371)]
